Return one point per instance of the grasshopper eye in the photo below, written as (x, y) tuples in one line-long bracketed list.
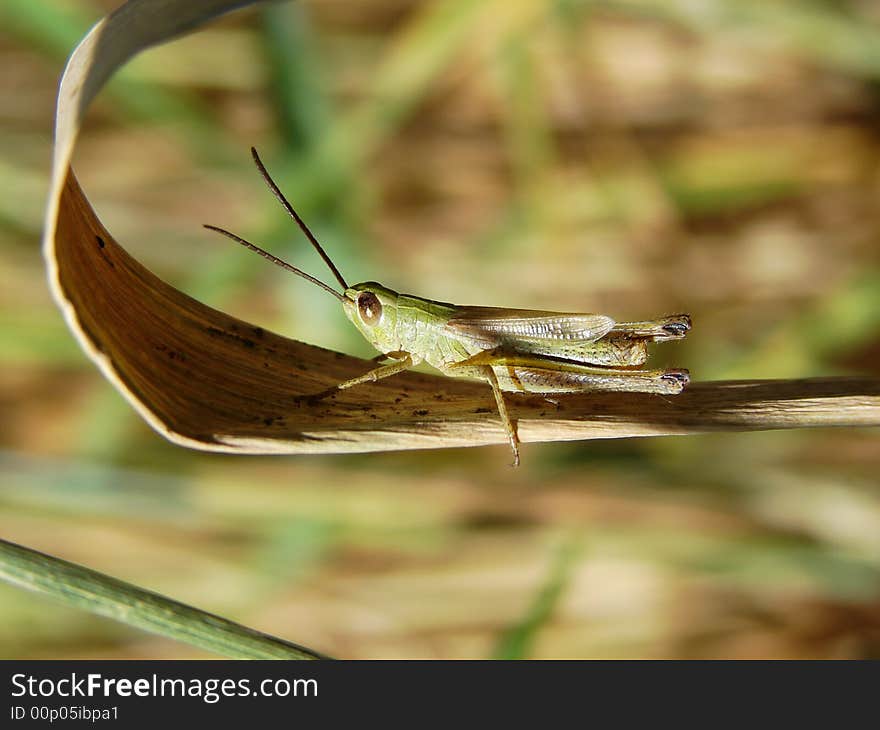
[(370, 308)]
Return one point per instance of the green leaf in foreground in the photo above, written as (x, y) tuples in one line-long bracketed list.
[(81, 587)]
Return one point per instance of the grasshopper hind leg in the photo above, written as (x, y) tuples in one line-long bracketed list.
[(674, 327), (551, 377), (580, 379)]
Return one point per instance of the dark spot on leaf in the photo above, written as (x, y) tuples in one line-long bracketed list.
[(217, 332), (172, 354), (101, 245), (482, 410), (496, 520), (420, 412)]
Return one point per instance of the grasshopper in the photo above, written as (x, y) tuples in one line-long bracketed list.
[(514, 350)]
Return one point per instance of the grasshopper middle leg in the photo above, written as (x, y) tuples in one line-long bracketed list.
[(509, 428)]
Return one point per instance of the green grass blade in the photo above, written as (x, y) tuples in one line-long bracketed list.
[(81, 587), (295, 78), (517, 641)]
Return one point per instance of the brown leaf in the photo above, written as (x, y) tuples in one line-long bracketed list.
[(207, 380)]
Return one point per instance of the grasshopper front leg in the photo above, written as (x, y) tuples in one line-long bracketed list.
[(404, 362)]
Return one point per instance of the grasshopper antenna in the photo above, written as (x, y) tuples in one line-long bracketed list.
[(275, 260), (276, 191)]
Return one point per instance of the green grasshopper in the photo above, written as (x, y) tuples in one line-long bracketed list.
[(514, 350)]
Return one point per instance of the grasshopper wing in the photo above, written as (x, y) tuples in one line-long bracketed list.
[(536, 330)]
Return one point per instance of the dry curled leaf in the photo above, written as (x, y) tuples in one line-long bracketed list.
[(209, 381)]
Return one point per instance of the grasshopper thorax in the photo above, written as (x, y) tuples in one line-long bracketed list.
[(372, 308)]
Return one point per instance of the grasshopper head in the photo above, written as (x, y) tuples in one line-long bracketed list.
[(373, 310), (371, 306)]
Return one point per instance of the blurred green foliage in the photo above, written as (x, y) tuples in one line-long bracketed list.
[(631, 157)]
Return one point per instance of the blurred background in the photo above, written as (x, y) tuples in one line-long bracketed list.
[(630, 157)]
